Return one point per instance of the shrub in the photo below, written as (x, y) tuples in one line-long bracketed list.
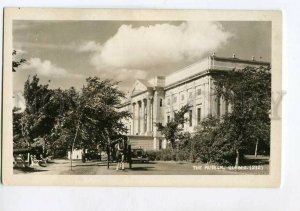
[(202, 149), (183, 155), (212, 143), (184, 147), (152, 155), (166, 154)]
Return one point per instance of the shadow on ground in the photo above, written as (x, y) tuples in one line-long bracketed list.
[(251, 160), (142, 168), (30, 169)]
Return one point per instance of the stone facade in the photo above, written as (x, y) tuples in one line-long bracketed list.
[(156, 100)]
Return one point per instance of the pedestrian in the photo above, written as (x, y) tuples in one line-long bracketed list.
[(120, 154)]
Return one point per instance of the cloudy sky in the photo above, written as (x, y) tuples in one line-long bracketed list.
[(66, 52)]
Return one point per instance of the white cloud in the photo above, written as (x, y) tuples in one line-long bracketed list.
[(47, 68), (157, 45), (89, 46), (125, 74), (142, 52), (20, 52)]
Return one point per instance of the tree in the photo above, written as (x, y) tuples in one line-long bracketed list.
[(17, 115), (16, 62), (68, 118), (249, 93), (92, 115), (204, 138), (101, 99), (66, 122), (224, 140), (43, 106), (18, 139), (39, 115), (172, 130)]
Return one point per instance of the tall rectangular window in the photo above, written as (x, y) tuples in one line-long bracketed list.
[(160, 144), (190, 118), (218, 106), (198, 115), (168, 119), (198, 91), (174, 99)]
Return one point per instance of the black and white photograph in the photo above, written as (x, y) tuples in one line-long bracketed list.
[(145, 97)]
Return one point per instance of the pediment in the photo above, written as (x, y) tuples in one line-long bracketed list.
[(138, 87)]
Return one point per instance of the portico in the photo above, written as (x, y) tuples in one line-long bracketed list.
[(142, 116)]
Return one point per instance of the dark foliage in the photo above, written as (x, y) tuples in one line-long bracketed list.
[(224, 140), (16, 62)]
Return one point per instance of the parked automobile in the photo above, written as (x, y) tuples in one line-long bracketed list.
[(93, 155), (139, 155)]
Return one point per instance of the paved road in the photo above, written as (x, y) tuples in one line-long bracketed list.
[(62, 167)]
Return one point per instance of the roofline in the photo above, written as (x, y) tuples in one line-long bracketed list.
[(196, 76), (237, 60), (204, 72), (142, 92), (190, 78)]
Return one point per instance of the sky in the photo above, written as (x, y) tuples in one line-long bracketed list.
[(65, 53)]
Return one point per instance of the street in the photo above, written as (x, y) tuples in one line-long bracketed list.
[(62, 167)]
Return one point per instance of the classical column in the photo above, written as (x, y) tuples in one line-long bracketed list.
[(152, 129), (139, 117), (145, 116), (209, 98), (133, 119), (148, 115), (142, 117), (136, 118)]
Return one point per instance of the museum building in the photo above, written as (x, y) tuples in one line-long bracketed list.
[(156, 100)]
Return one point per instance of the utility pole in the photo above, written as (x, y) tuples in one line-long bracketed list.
[(108, 152), (71, 154), (107, 134)]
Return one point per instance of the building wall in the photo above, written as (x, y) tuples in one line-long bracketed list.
[(156, 101), (195, 93), (77, 154), (144, 142)]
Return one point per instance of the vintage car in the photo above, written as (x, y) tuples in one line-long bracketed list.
[(92, 155), (139, 155)]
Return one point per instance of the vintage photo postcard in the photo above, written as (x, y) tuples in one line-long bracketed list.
[(115, 97)]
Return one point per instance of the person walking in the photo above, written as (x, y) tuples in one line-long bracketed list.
[(120, 154)]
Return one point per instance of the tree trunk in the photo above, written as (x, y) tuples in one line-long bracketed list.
[(256, 147), (173, 151), (237, 159), (108, 155), (28, 155), (177, 152)]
